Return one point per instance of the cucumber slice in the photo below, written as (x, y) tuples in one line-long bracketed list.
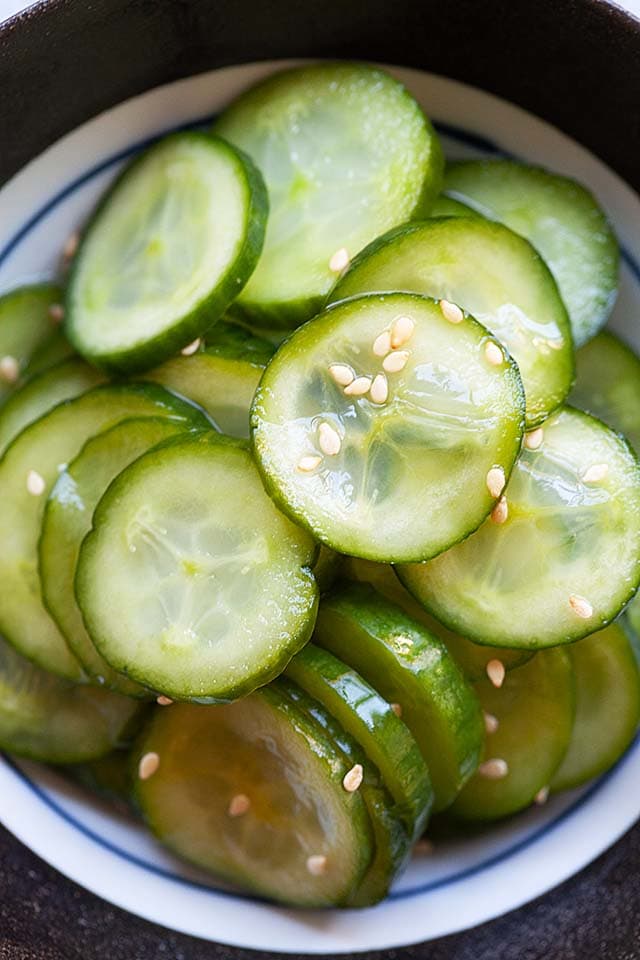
[(235, 342), (535, 712), (43, 393), (52, 352), (495, 275), (214, 589), (561, 219), (566, 560), (326, 568), (67, 520), (109, 777), (25, 325), (608, 384), (607, 706), (45, 718), (346, 153), (410, 667), (265, 750), (397, 477), (632, 618), (445, 206), (28, 470), (168, 249), (372, 723)]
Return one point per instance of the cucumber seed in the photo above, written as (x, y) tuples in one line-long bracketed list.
[(496, 672), (581, 607), (9, 369), (148, 765), (329, 439), (595, 473), (541, 796), (494, 769), (401, 331), (534, 438), (496, 481), (317, 865), (191, 348), (342, 374), (379, 389), (163, 701), (358, 387), (35, 483), (352, 780), (239, 805), (382, 344), (395, 362), (500, 512), (451, 311), (397, 709), (70, 247), (339, 261), (493, 354), (307, 464), (491, 723)]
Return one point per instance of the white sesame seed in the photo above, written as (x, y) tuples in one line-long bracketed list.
[(401, 331), (9, 369), (451, 311), (163, 701), (191, 348), (239, 805), (541, 796), (382, 344), (339, 260), (148, 765), (595, 473), (493, 354), (494, 769), (35, 483), (496, 481), (496, 672), (342, 374), (424, 847), (556, 344), (317, 865), (534, 438), (379, 389), (500, 512), (70, 247), (397, 709), (352, 780), (358, 387), (329, 439), (307, 464), (491, 723), (56, 312), (395, 362), (581, 607)]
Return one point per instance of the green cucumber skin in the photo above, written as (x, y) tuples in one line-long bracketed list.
[(24, 337), (212, 307)]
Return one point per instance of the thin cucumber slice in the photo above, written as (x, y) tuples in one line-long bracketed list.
[(52, 352), (109, 777), (215, 592), (493, 274), (632, 618), (534, 710), (67, 520), (326, 568), (168, 249), (608, 384), (372, 723), (235, 342), (411, 668), (607, 706), (445, 206), (567, 558), (43, 393), (28, 471), (301, 840), (394, 475), (563, 221), (346, 153), (25, 325), (46, 718)]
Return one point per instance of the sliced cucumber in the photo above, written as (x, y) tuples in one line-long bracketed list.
[(535, 711), (46, 718), (110, 777), (387, 475), (67, 519), (607, 706), (445, 206), (28, 470), (608, 384), (25, 325), (52, 352), (632, 618), (214, 589), (168, 249), (302, 838), (561, 218), (346, 153), (371, 721), (326, 568), (235, 342), (495, 275), (567, 558)]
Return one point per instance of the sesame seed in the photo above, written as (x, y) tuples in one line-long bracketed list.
[(500, 512), (339, 260), (239, 805), (395, 362), (424, 847), (556, 344), (401, 331), (534, 438), (70, 247), (329, 439), (342, 374), (163, 701), (397, 709), (496, 481), (35, 483), (379, 389), (307, 464), (191, 348), (358, 387), (56, 312), (9, 369), (451, 311), (541, 796), (491, 723), (493, 354), (317, 865), (382, 344), (581, 607), (496, 672), (595, 473), (352, 780), (494, 769), (148, 765)]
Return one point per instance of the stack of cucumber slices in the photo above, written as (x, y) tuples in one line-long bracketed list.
[(315, 524)]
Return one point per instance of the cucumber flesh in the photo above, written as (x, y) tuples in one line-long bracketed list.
[(265, 749), (109, 777), (607, 706), (346, 154), (532, 581), (52, 352), (535, 712), (446, 206), (235, 342), (25, 325), (168, 249), (398, 483), (492, 273), (215, 592)]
